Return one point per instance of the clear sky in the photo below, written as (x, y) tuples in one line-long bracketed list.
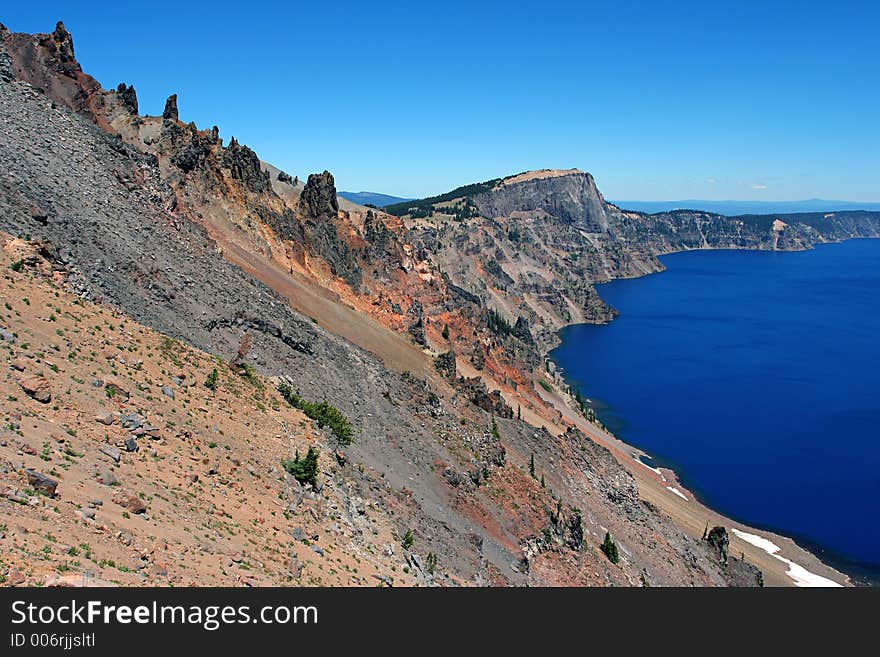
[(659, 100)]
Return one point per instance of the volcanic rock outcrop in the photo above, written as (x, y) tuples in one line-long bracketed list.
[(146, 223)]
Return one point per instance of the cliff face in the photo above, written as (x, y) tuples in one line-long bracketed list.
[(571, 198), (682, 230), (540, 240)]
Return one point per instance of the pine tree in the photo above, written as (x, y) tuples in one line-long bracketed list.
[(445, 333), (305, 469), (532, 466), (543, 485), (610, 548), (495, 433)]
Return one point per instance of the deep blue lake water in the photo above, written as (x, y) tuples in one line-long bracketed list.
[(756, 376)]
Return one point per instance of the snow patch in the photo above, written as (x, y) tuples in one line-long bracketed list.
[(652, 469), (673, 489), (800, 575)]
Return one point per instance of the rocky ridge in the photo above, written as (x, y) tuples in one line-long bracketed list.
[(532, 246), (159, 221)]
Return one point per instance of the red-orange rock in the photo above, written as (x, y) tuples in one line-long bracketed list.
[(36, 387)]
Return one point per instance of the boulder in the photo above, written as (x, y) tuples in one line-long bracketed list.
[(130, 502), (41, 483), (478, 394), (36, 387), (445, 364), (15, 578), (131, 421), (85, 514), (115, 386), (111, 452), (105, 417), (451, 476), (108, 478), (385, 579), (39, 215)]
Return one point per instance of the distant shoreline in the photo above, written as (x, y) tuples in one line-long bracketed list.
[(733, 208)]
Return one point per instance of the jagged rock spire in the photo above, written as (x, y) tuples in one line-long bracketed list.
[(318, 197), (64, 43), (128, 96), (170, 111)]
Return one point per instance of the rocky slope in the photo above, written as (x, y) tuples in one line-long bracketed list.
[(533, 245), (118, 465), (160, 226)]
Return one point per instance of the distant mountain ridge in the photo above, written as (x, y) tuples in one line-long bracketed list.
[(734, 208), (372, 198)]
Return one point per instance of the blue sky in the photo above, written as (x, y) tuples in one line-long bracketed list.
[(662, 100)]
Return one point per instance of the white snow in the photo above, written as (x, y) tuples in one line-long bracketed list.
[(800, 575), (673, 489), (652, 469)]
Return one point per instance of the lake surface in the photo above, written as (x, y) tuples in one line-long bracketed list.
[(756, 377)]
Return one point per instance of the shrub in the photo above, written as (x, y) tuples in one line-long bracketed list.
[(211, 381), (303, 469), (322, 412), (431, 563), (609, 547)]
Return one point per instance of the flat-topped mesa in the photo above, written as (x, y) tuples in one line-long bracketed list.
[(568, 195), (540, 174)]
